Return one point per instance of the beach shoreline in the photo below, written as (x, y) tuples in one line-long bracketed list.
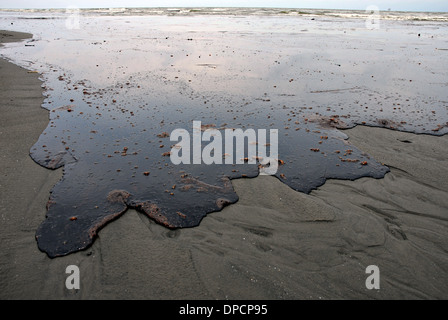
[(274, 243)]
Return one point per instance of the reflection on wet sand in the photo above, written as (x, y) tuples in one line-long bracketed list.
[(114, 86)]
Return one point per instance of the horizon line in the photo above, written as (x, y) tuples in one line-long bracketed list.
[(211, 7)]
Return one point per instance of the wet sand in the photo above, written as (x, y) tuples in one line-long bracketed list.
[(274, 243)]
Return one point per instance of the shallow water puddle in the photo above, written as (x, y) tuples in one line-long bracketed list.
[(117, 88)]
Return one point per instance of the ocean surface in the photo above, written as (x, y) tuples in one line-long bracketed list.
[(118, 82), (362, 14)]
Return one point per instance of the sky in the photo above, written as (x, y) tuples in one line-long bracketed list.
[(398, 5)]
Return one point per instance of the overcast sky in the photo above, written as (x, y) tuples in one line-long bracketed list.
[(406, 5)]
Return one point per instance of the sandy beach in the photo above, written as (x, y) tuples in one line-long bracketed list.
[(274, 243)]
